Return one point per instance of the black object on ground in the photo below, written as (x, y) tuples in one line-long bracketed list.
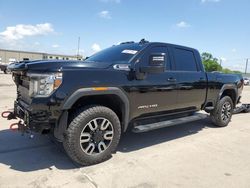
[(244, 108)]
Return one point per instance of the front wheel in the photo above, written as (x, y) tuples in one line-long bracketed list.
[(93, 135), (223, 111)]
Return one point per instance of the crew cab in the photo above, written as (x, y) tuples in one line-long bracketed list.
[(138, 86)]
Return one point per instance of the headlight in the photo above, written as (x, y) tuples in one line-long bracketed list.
[(42, 85)]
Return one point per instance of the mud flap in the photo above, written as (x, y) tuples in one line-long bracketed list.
[(61, 126)]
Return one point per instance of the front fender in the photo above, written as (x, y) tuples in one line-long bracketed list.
[(91, 92)]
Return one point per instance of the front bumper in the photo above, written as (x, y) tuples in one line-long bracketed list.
[(35, 120)]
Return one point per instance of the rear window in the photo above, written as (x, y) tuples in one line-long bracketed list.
[(120, 53), (184, 60)]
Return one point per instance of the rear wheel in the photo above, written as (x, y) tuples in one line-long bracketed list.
[(93, 135), (222, 113)]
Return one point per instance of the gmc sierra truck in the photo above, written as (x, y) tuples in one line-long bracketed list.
[(141, 86)]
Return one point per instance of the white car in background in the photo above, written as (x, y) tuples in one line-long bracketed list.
[(246, 81)]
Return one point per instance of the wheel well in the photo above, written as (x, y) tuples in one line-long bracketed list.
[(110, 101), (231, 93)]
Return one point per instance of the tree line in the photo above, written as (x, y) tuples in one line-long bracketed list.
[(212, 64)]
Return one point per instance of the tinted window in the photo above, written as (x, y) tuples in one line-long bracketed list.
[(157, 50), (184, 60), (122, 53)]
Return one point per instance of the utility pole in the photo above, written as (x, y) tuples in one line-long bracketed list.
[(246, 66), (220, 62), (78, 47)]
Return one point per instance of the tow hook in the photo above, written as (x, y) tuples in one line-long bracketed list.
[(19, 126), (14, 126), (8, 114)]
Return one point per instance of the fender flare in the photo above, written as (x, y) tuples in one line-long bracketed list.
[(231, 87), (70, 101)]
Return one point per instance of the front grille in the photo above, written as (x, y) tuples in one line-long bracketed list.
[(23, 94), (25, 81), (22, 82)]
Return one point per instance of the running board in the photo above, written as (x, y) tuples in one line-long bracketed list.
[(168, 123)]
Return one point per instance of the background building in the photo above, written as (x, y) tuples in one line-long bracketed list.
[(9, 56)]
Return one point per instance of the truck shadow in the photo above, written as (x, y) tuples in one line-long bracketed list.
[(24, 154), (135, 141)]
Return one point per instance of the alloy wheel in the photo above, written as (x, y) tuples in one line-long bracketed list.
[(226, 111), (96, 136)]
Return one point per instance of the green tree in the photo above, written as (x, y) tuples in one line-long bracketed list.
[(227, 71), (210, 63)]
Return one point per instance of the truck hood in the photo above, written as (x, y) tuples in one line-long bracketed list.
[(55, 65)]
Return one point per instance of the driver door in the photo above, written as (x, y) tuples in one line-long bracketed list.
[(156, 92)]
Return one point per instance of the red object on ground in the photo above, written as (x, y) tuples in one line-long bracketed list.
[(5, 114), (13, 126)]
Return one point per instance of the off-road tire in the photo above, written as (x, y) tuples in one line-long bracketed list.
[(80, 118), (216, 114)]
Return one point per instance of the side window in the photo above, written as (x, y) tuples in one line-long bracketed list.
[(158, 50), (184, 60)]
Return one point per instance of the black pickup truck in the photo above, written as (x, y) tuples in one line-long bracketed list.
[(141, 86)]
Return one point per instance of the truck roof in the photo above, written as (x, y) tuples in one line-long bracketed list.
[(143, 41)]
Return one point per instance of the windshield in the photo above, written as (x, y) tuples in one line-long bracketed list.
[(122, 53)]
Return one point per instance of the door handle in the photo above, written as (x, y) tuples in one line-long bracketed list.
[(171, 79), (202, 79)]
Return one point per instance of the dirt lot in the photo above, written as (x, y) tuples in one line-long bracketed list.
[(189, 155)]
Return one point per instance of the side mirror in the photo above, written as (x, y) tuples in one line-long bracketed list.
[(156, 63)]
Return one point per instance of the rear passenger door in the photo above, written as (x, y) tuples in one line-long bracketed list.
[(191, 83)]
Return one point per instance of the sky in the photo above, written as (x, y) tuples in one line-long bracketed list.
[(220, 27)]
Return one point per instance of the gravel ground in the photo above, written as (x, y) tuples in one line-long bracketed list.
[(190, 155)]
